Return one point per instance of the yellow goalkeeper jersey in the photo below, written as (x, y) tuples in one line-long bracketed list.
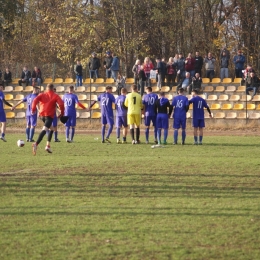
[(134, 103)]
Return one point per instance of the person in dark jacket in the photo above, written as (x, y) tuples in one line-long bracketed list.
[(180, 67), (142, 80), (161, 72), (224, 62), (79, 73), (107, 64), (171, 72), (25, 77), (36, 77), (196, 83), (198, 63), (163, 108), (94, 65), (115, 65), (7, 77), (252, 83)]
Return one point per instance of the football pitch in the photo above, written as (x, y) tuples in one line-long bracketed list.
[(89, 200)]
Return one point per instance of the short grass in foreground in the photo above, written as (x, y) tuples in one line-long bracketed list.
[(89, 200)]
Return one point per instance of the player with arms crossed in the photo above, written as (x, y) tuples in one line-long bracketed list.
[(2, 113), (180, 104), (48, 102), (107, 117), (121, 116), (198, 115), (70, 100), (164, 111), (149, 113), (30, 119), (134, 104)]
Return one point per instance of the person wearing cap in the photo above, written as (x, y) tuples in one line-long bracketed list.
[(31, 120), (94, 65), (47, 102), (239, 61), (107, 64)]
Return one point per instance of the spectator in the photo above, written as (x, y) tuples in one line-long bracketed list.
[(135, 70), (190, 65), (120, 83), (252, 83), (175, 58), (7, 77), (161, 71), (107, 64), (224, 62), (79, 73), (36, 77), (180, 67), (196, 83), (210, 66), (148, 66), (247, 71), (115, 66), (171, 72), (25, 77), (185, 83), (94, 65), (142, 80), (198, 63), (239, 61), (224, 49)]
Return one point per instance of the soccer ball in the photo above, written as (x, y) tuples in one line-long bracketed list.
[(20, 143)]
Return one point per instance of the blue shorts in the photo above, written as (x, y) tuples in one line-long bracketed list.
[(31, 120), (55, 121), (198, 123), (179, 123), (162, 121), (121, 121), (149, 119), (105, 119), (2, 117), (71, 121)]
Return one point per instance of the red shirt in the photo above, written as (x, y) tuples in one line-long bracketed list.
[(147, 67), (190, 64), (47, 102)]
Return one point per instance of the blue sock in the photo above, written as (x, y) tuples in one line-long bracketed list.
[(31, 133), (67, 132), (27, 131), (201, 137), (183, 135), (109, 130), (165, 135), (3, 134), (196, 139), (159, 132), (118, 133), (56, 135), (155, 133), (103, 129), (72, 133), (175, 136), (147, 134)]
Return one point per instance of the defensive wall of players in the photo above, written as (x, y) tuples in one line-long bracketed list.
[(227, 99)]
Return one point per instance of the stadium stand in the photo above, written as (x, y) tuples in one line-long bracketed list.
[(84, 115), (58, 81), (19, 97), (238, 106), (80, 89), (256, 98), (110, 81), (242, 115), (9, 97), (231, 115), (220, 89), (20, 115), (234, 98), (18, 89), (231, 89), (60, 89), (223, 98), (28, 89), (208, 89), (96, 115), (254, 116), (10, 115), (8, 89), (212, 97), (220, 115), (48, 81), (216, 81), (250, 106), (226, 81), (241, 89), (99, 81), (88, 80)]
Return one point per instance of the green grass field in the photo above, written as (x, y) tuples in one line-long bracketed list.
[(89, 200)]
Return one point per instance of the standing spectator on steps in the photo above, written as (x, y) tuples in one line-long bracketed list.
[(224, 61), (115, 66), (107, 64), (239, 61), (198, 63), (190, 65), (210, 66), (79, 73), (94, 65)]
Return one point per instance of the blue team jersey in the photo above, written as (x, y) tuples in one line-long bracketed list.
[(29, 99), (70, 101), (149, 102), (2, 96), (180, 103), (120, 109), (198, 107), (106, 100)]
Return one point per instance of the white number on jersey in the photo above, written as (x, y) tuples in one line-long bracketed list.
[(68, 102), (104, 101), (151, 101), (29, 101), (118, 103), (200, 104), (179, 104)]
